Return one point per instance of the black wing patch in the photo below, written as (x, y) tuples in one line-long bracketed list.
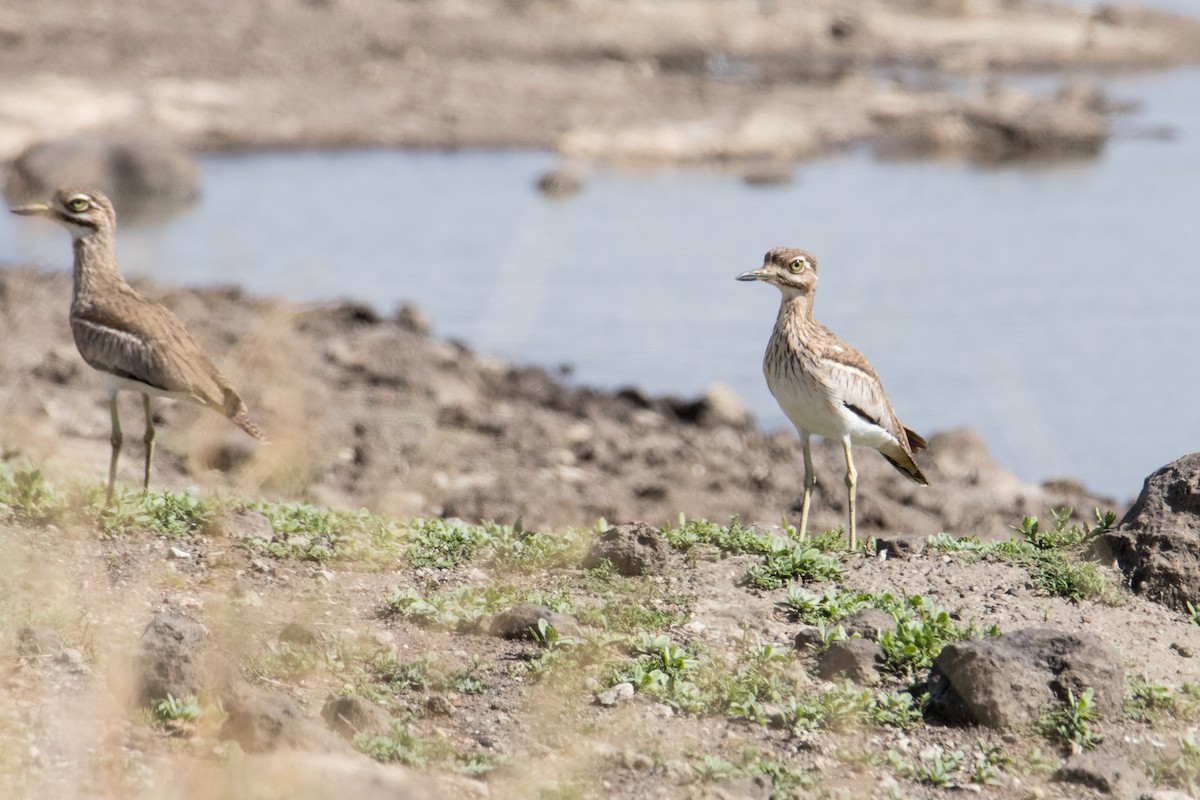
[(865, 416)]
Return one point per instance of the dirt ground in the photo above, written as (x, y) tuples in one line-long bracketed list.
[(369, 412)]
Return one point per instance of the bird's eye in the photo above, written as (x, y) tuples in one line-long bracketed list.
[(797, 264), (78, 204)]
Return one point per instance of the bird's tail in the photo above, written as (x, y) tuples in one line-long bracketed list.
[(901, 457), (236, 410)]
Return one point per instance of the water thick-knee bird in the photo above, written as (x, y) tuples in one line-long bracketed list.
[(825, 386), (134, 343)]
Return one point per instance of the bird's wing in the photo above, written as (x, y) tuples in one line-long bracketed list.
[(133, 337), (855, 382)]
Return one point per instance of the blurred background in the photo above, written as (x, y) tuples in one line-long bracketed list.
[(1002, 195)]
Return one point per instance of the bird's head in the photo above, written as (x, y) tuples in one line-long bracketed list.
[(794, 271), (83, 212)]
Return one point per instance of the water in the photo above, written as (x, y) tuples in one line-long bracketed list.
[(1053, 309)]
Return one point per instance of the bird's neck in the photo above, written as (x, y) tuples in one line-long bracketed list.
[(95, 263), (796, 309)]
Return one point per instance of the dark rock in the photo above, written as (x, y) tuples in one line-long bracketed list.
[(1007, 681), (900, 545), (560, 182), (262, 722), (143, 178), (808, 639), (519, 622), (1157, 544), (349, 716), (38, 641), (239, 522), (857, 659), (1105, 772), (768, 175), (171, 658), (634, 548), (868, 623), (438, 705), (298, 633)]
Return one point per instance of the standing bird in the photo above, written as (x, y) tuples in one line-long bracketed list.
[(134, 343), (825, 386)]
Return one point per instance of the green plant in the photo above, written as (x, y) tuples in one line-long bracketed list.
[(29, 496), (1045, 554), (833, 605), (1193, 613), (786, 561), (436, 543), (468, 680), (174, 513), (1074, 723), (936, 769), (1145, 700), (988, 764), (548, 636), (175, 709), (921, 632)]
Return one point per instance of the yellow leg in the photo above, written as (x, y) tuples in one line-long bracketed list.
[(810, 480), (116, 446), (851, 488), (149, 440)]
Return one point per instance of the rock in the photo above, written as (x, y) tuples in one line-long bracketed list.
[(857, 659), (413, 319), (438, 705), (634, 548), (238, 522), (36, 640), (1104, 771), (519, 622), (73, 660), (172, 658), (262, 722), (1157, 543), (809, 639), (1001, 126), (900, 545), (349, 716), (868, 623), (615, 695), (1007, 681), (297, 633), (143, 178), (724, 406), (561, 182)]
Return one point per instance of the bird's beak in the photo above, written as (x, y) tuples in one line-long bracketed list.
[(32, 210), (753, 275)]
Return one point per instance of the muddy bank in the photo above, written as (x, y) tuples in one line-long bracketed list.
[(690, 80), (365, 411)]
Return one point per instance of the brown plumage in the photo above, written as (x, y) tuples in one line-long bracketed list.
[(825, 386), (133, 342)]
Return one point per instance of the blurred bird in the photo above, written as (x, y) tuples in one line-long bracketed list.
[(133, 342), (825, 386)]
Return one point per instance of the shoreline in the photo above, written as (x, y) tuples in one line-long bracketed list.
[(623, 82)]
